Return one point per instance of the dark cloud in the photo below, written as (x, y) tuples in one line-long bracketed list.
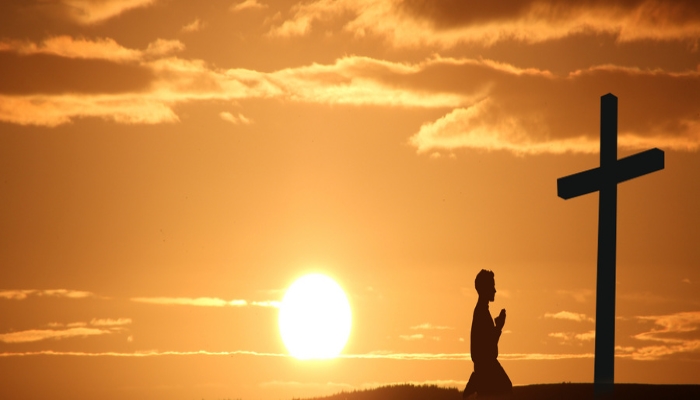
[(444, 24), (49, 74), (534, 111), (451, 13), (448, 14)]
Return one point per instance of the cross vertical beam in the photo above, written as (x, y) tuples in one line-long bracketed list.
[(604, 364), (604, 179)]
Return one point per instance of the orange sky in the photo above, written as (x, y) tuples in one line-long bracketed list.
[(169, 167)]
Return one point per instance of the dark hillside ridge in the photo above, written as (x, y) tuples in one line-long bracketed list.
[(556, 391)]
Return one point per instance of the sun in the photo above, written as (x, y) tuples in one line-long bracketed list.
[(315, 318)]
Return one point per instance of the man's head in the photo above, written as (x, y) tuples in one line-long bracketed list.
[(485, 284)]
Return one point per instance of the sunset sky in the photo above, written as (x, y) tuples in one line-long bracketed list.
[(169, 167)]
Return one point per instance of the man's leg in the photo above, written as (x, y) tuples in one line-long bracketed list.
[(471, 386), (493, 381), (504, 385)]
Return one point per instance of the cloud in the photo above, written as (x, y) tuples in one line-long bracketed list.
[(571, 337), (50, 76), (194, 26), (490, 106), (535, 112), (50, 111), (71, 294), (674, 334), (587, 336), (186, 301), (110, 322), (351, 80), (68, 47), (247, 5), (89, 12), (358, 80), (485, 126), (236, 120), (571, 316), (559, 335), (567, 337), (205, 302), (428, 326), (100, 326), (447, 24), (99, 48), (35, 335), (15, 294), (416, 336), (69, 325), (304, 14), (65, 293)]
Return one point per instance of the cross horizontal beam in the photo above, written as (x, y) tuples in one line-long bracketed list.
[(625, 169)]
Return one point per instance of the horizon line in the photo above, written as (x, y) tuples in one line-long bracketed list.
[(366, 356)]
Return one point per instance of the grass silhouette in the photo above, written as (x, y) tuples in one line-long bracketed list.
[(557, 391), (398, 392)]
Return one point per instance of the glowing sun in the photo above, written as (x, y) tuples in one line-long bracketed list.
[(315, 318)]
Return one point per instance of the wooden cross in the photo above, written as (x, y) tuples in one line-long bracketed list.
[(604, 179)]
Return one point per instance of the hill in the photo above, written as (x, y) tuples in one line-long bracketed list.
[(569, 391)]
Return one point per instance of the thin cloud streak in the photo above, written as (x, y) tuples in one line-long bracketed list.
[(236, 120), (69, 325), (110, 322), (204, 302), (417, 336), (24, 294), (139, 354), (428, 326), (568, 337), (568, 315), (35, 335), (102, 326), (677, 333), (186, 301), (370, 356), (99, 48)]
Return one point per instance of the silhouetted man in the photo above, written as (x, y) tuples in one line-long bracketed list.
[(488, 379)]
